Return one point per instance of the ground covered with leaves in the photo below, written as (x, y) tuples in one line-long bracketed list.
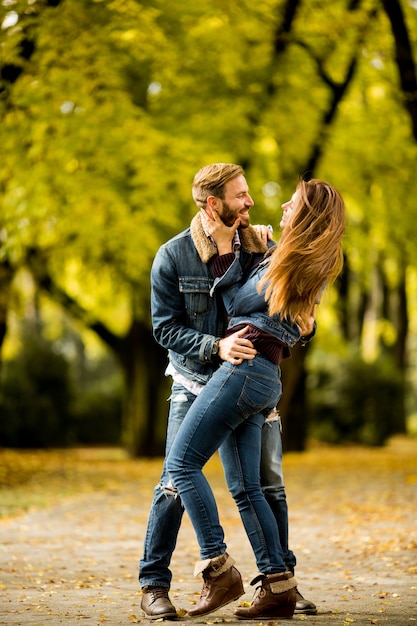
[(73, 521)]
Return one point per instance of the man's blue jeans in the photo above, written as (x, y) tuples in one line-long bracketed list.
[(167, 510), (272, 482)]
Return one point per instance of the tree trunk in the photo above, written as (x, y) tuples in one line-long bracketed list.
[(145, 410), (395, 310), (292, 406), (404, 59), (6, 278)]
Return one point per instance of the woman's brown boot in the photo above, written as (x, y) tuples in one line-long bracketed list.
[(222, 584), (275, 597)]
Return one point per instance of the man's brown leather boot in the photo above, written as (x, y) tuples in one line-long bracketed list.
[(275, 597), (156, 603), (222, 583)]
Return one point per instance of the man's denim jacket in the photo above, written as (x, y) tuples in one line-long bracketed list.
[(245, 305), (187, 316)]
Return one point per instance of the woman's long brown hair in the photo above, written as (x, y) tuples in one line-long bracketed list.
[(309, 254)]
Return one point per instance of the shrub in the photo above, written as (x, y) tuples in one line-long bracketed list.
[(35, 397), (43, 405), (357, 402)]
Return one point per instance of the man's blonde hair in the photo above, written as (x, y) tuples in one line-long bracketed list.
[(211, 181)]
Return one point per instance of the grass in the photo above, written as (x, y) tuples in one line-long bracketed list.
[(41, 478)]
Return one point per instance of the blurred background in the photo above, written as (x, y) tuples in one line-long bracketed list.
[(108, 108)]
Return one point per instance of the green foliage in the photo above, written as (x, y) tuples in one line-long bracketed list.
[(354, 401), (103, 136), (96, 417), (35, 397), (109, 107), (96, 409)]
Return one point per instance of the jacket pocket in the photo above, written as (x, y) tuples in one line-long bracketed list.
[(196, 293)]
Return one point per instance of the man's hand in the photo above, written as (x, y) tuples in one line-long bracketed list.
[(264, 232), (235, 348)]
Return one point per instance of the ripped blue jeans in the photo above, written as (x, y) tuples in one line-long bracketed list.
[(167, 510)]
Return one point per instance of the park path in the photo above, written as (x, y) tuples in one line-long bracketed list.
[(353, 527)]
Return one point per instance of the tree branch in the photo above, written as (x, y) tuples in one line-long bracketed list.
[(404, 58), (43, 278)]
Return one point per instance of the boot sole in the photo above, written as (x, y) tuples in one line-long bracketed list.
[(273, 615), (168, 616), (248, 617)]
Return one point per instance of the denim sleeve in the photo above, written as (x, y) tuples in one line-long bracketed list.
[(248, 299), (243, 298), (169, 317), (229, 284)]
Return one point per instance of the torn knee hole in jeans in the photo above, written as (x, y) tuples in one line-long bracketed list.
[(169, 489), (180, 397), (274, 416)]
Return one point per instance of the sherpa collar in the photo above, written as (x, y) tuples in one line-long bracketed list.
[(206, 249)]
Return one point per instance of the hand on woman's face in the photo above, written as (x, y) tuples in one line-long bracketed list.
[(288, 209)]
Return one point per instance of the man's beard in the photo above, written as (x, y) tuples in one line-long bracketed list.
[(228, 216)]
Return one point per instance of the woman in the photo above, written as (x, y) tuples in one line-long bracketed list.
[(275, 308)]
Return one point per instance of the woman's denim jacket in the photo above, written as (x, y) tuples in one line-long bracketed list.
[(245, 305), (186, 316)]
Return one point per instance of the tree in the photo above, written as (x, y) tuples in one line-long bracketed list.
[(103, 138)]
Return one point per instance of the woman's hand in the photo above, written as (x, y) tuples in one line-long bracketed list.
[(306, 326), (222, 235), (264, 232)]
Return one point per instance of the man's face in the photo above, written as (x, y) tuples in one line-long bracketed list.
[(288, 209), (236, 203)]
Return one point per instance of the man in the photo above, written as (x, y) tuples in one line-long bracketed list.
[(190, 322)]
